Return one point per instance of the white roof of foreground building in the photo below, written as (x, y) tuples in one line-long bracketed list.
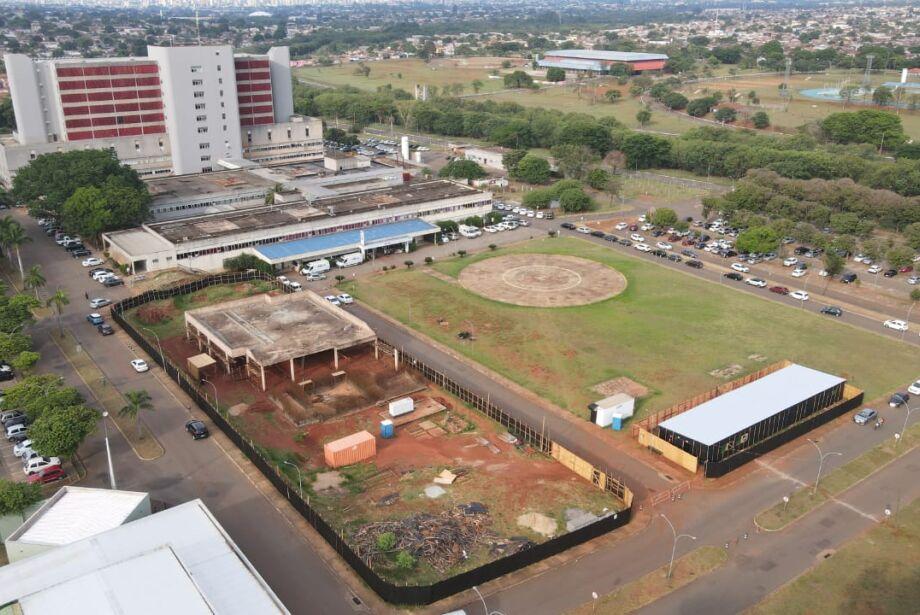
[(600, 54), (177, 561), (732, 412), (75, 513)]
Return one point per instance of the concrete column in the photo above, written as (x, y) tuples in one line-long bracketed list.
[(292, 371), (376, 351), (396, 359), (262, 369), (335, 356), (227, 361)]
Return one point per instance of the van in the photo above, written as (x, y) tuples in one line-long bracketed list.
[(349, 260), (469, 231), (317, 266)]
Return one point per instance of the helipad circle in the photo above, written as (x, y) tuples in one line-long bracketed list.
[(542, 280)]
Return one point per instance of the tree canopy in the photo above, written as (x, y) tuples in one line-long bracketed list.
[(462, 169), (532, 169), (757, 240), (15, 497), (92, 210), (59, 432), (880, 128)]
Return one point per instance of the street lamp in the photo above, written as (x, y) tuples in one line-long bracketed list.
[(108, 449), (821, 458), (677, 537), (216, 402), (484, 607), (299, 477), (594, 604), (159, 346), (897, 437)]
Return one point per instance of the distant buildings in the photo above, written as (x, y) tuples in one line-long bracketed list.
[(180, 110), (598, 61)]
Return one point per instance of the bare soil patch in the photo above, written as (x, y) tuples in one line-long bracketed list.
[(543, 280)]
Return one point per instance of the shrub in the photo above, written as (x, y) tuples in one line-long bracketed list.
[(386, 541), (405, 561), (428, 260)]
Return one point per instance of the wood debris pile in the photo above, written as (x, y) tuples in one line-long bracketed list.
[(442, 540)]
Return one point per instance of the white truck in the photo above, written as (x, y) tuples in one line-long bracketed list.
[(349, 260), (315, 267)]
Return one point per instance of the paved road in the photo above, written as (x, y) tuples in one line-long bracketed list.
[(189, 469)]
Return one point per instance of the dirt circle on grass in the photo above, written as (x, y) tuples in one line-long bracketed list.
[(542, 280)]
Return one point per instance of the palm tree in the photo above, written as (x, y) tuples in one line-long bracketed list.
[(5, 224), (59, 299), (136, 401), (15, 237), (34, 279)]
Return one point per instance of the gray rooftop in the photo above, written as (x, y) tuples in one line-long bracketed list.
[(732, 412), (598, 54)]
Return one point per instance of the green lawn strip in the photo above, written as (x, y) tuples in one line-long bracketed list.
[(655, 585), (145, 444), (801, 502), (878, 572), (667, 331)]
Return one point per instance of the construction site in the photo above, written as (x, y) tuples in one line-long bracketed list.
[(421, 486)]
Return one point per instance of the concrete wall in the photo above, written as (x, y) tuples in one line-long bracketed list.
[(23, 81), (297, 139), (279, 59), (485, 157), (214, 67)]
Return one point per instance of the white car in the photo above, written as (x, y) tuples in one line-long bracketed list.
[(637, 237), (295, 286), (98, 302), (643, 247), (345, 299), (37, 464), (859, 258), (540, 215), (642, 218), (740, 267), (789, 262), (101, 275), (22, 448), (283, 279), (621, 226), (139, 365), (646, 227), (897, 325), (664, 245), (800, 273), (332, 299), (92, 261), (799, 295), (914, 389), (874, 269), (584, 230), (756, 282), (913, 280)]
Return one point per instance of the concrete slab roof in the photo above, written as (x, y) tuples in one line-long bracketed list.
[(271, 329), (205, 184)]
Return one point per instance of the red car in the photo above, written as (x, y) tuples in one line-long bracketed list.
[(906, 269), (779, 290), (48, 475)]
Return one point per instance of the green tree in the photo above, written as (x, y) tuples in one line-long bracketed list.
[(14, 236), (405, 561), (511, 158), (613, 96), (135, 401), (699, 107), (675, 101), (726, 115), (912, 235), (847, 93), (7, 117), (386, 541), (25, 361), (663, 217), (474, 221), (574, 200), (34, 279), (12, 344), (584, 130), (833, 264), (532, 169), (59, 299), (599, 179), (899, 256), (462, 169), (644, 116), (915, 294), (864, 126), (760, 120), (555, 75), (758, 240), (15, 497), (644, 151), (60, 431), (518, 79), (477, 85), (882, 96), (93, 210), (573, 160)]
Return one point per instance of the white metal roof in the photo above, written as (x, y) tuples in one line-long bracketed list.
[(732, 412), (177, 561), (600, 54), (75, 513)]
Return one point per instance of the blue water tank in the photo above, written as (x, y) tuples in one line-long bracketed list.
[(617, 423), (386, 429)]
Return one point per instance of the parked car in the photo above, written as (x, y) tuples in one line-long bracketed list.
[(48, 475), (98, 302), (345, 299), (637, 237), (21, 447), (6, 372), (695, 264), (848, 278), (643, 247), (10, 416), (80, 253), (113, 281), (759, 283), (197, 429), (567, 225), (914, 389), (95, 318), (664, 245), (799, 295), (315, 277), (874, 269), (913, 280), (17, 433), (832, 310), (93, 273), (37, 464), (779, 290), (799, 273), (139, 365), (105, 329), (92, 262), (789, 262), (890, 273), (740, 267), (621, 226), (584, 230), (332, 299), (865, 416), (897, 325), (898, 399), (733, 275), (624, 242)]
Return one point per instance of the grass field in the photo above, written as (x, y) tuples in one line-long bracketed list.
[(667, 331), (406, 73), (659, 194), (879, 572)]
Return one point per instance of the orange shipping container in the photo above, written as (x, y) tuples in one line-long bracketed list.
[(350, 449)]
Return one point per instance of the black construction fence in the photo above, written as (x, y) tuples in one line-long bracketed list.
[(395, 594)]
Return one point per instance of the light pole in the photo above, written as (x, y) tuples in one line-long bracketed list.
[(299, 477), (216, 401), (108, 449), (159, 346), (897, 437), (821, 458), (485, 608), (594, 604), (677, 537)]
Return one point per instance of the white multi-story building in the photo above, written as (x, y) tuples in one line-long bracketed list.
[(179, 110)]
